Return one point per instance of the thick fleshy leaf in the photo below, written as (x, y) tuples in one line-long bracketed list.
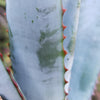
[(71, 19), (36, 44), (87, 55), (7, 89)]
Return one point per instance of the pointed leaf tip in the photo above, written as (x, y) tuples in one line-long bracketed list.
[(63, 10), (65, 68), (65, 80), (64, 27), (64, 37), (65, 92), (65, 52)]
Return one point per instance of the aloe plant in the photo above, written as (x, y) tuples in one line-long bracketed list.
[(36, 32)]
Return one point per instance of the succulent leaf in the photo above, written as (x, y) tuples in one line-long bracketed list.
[(71, 19), (7, 89), (87, 54), (36, 45)]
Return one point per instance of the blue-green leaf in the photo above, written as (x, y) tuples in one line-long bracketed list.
[(7, 89), (87, 55), (36, 45)]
